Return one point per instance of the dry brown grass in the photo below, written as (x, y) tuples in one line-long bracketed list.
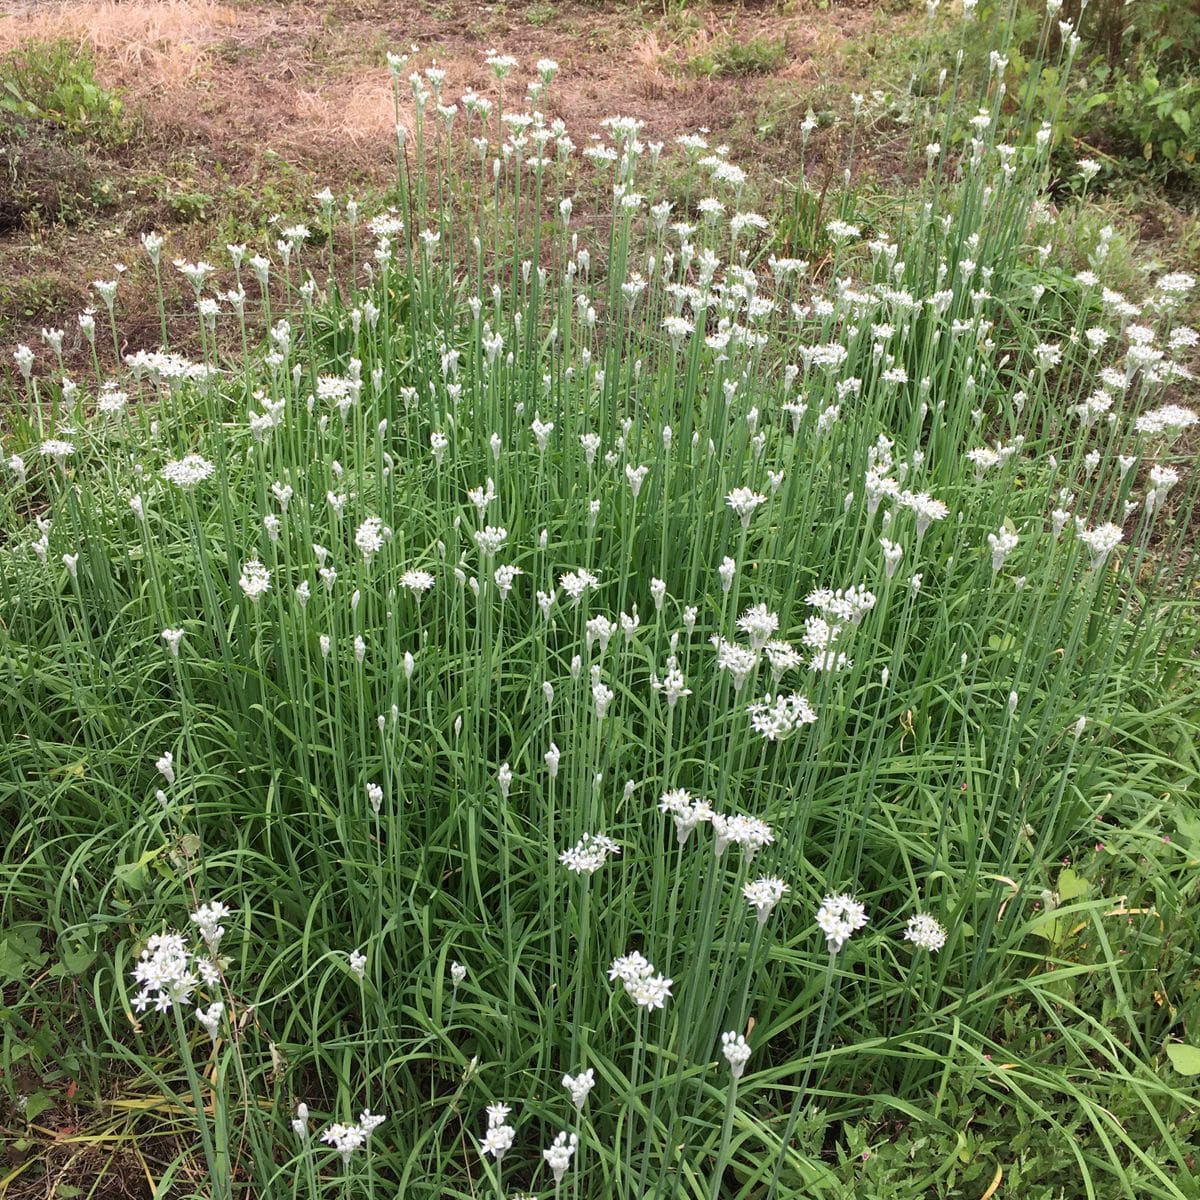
[(649, 55), (357, 109), (163, 54), (144, 45)]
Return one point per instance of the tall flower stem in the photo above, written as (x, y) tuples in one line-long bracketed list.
[(827, 992)]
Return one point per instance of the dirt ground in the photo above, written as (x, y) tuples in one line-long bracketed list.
[(243, 109), (308, 80)]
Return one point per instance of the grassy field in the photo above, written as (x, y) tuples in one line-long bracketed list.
[(621, 661)]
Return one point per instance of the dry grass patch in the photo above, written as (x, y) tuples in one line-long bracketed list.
[(144, 46)]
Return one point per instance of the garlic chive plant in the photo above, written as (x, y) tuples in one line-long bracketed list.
[(574, 576)]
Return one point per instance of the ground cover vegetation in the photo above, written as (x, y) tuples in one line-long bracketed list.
[(1130, 99), (548, 689)]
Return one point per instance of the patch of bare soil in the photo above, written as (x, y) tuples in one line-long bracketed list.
[(309, 78), (245, 98)]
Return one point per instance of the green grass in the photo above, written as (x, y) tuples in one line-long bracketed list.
[(57, 128), (355, 766), (730, 58), (53, 83)]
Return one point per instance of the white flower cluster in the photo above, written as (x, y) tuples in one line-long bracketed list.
[(168, 973), (188, 471), (736, 1050), (838, 918), (500, 1134), (687, 813), (763, 894), (925, 932), (346, 1139), (558, 1154), (778, 717), (744, 501), (207, 918), (255, 580), (750, 833), (579, 1086), (646, 988), (589, 854), (370, 537)]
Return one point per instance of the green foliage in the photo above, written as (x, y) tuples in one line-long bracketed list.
[(1135, 114), (727, 57), (358, 765), (53, 83), (539, 14), (37, 295), (1130, 93), (1135, 92), (56, 125), (190, 205), (1167, 32)]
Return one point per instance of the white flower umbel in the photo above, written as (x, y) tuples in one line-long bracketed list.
[(207, 918), (165, 973), (369, 538), (589, 854), (188, 471), (838, 918), (782, 658), (744, 501), (763, 894), (736, 1050), (687, 813), (892, 553), (579, 1086), (1101, 542), (739, 661), (417, 582), (172, 637), (575, 583), (558, 1155), (505, 576), (165, 765), (491, 539), (758, 623), (641, 984), (300, 1122), (255, 580), (749, 833), (925, 932), (500, 1135), (778, 717), (602, 694), (672, 684), (210, 1017), (651, 992), (23, 357), (346, 1139), (925, 508), (727, 570), (1002, 543)]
